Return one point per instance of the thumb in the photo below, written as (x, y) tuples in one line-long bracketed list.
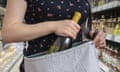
[(93, 33)]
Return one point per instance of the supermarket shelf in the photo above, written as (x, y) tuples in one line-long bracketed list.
[(117, 39), (19, 55), (113, 38), (107, 6), (2, 10), (15, 60), (17, 65), (109, 37), (104, 67)]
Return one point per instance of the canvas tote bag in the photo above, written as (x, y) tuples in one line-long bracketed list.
[(81, 58)]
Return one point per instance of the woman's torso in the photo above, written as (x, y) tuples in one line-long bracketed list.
[(52, 10)]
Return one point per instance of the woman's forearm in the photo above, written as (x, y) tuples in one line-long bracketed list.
[(14, 29), (22, 32)]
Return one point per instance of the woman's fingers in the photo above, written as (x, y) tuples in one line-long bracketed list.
[(77, 26), (70, 34), (66, 28), (102, 43), (98, 36), (73, 26), (99, 40)]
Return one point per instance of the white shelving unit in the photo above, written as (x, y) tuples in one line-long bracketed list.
[(113, 38), (13, 66), (117, 39)]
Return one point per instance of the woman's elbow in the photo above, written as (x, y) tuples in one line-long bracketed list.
[(6, 37)]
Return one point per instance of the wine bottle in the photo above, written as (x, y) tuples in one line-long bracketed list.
[(63, 43)]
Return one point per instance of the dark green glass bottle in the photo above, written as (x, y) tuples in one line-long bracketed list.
[(63, 43)]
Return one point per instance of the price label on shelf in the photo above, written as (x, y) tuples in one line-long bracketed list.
[(105, 6), (109, 36), (117, 39)]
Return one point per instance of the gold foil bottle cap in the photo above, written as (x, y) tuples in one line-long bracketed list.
[(76, 17)]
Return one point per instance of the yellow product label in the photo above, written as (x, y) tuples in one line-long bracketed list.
[(115, 32)]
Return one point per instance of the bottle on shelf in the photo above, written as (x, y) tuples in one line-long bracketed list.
[(119, 26), (110, 57), (103, 23), (116, 30), (95, 24), (109, 25), (95, 3), (101, 2), (63, 43), (118, 65), (92, 3)]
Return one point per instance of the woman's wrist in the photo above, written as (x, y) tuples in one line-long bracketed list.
[(50, 26)]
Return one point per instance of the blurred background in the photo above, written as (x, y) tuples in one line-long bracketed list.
[(105, 15)]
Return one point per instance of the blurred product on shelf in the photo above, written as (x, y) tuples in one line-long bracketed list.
[(117, 28), (2, 60), (110, 25), (106, 16), (95, 3), (101, 2), (102, 23), (110, 55), (6, 56)]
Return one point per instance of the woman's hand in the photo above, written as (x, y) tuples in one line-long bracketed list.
[(99, 40), (66, 28)]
